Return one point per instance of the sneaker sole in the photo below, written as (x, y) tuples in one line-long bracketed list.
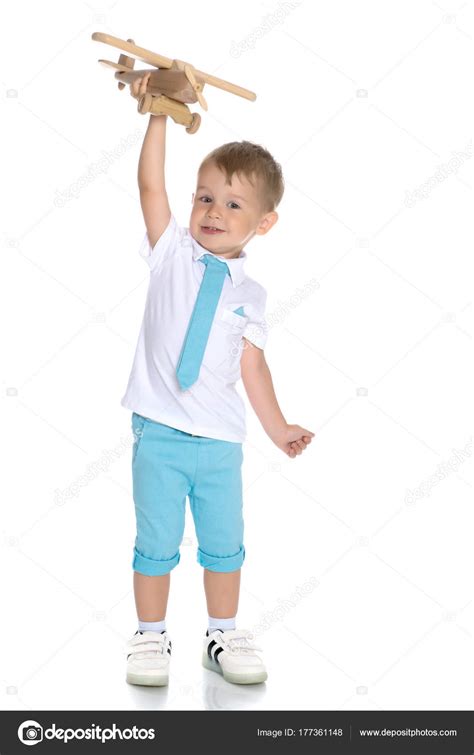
[(147, 680), (255, 678)]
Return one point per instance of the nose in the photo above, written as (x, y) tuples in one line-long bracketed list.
[(212, 211)]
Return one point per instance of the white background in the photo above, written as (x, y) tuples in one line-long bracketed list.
[(359, 551)]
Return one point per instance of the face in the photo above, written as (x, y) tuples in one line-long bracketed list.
[(233, 209)]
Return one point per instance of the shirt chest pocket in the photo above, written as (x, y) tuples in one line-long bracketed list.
[(231, 322), (229, 331)]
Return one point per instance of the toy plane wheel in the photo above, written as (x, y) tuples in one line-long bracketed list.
[(196, 122)]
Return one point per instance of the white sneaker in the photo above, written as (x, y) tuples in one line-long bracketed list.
[(231, 654), (148, 658)]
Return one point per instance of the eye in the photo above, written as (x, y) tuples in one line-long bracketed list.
[(235, 205), (201, 198)]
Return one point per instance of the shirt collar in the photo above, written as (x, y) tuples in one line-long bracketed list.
[(236, 265)]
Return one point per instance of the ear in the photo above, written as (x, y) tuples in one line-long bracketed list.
[(266, 222)]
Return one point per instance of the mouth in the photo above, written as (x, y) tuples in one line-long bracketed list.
[(211, 229)]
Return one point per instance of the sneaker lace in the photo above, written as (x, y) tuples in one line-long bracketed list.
[(237, 641)]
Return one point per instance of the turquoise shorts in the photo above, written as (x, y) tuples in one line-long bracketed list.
[(168, 465)]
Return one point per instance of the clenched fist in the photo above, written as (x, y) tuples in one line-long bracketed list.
[(293, 440), (138, 86)]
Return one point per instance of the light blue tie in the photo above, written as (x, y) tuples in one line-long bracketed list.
[(199, 327)]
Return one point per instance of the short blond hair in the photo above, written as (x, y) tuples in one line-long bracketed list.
[(250, 160)]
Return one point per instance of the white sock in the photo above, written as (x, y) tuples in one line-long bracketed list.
[(223, 624), (152, 626)]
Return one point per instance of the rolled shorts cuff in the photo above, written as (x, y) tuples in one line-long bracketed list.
[(221, 563), (152, 568)]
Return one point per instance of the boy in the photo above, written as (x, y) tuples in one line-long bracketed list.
[(202, 329)]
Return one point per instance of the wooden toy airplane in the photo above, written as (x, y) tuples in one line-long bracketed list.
[(174, 83)]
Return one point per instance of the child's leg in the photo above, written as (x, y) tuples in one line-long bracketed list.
[(216, 505), (222, 593), (151, 596), (161, 467)]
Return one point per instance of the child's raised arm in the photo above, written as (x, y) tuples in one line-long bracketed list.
[(151, 171)]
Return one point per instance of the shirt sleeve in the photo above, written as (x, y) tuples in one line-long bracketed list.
[(256, 329), (164, 247)]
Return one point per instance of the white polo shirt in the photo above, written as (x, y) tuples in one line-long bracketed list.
[(211, 406)]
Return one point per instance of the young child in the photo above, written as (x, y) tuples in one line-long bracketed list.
[(203, 328)]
